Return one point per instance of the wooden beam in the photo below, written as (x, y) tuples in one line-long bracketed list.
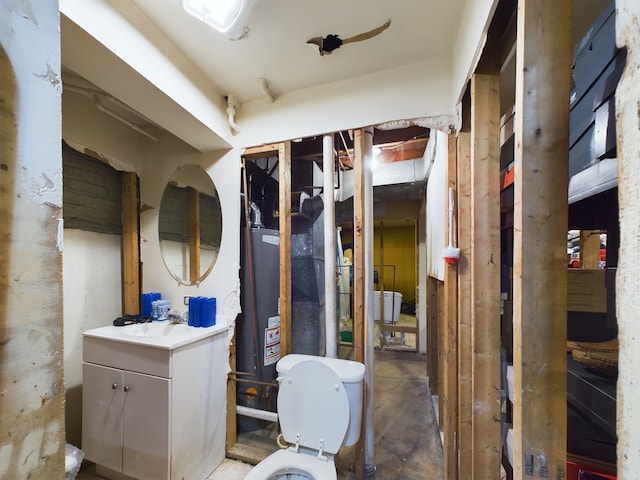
[(485, 271), (589, 248), (449, 334), (232, 434), (264, 151), (284, 209), (359, 257), (194, 235), (130, 245), (543, 77), (465, 304)]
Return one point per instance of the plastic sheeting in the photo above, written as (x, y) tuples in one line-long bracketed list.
[(436, 203)]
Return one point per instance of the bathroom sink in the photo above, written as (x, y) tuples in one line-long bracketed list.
[(163, 335)]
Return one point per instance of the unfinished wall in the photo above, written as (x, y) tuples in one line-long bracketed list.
[(31, 373), (628, 280)]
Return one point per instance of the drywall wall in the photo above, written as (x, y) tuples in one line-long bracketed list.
[(224, 169), (155, 163), (31, 374), (92, 262), (472, 36), (92, 275), (420, 90)]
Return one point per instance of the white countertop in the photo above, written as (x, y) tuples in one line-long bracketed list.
[(164, 335)]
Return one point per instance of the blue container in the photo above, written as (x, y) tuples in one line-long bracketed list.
[(208, 318), (146, 300), (195, 318)]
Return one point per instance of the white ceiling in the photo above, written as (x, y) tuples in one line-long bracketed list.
[(175, 70), (276, 49)]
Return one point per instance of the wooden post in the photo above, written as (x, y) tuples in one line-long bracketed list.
[(449, 334), (359, 278), (194, 235), (432, 335), (485, 270), (130, 245), (232, 433), (284, 207), (543, 76), (465, 332), (590, 249), (465, 305)]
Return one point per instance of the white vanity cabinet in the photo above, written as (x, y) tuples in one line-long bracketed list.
[(154, 408), (127, 428)]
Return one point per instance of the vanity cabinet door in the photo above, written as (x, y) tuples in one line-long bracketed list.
[(102, 396), (145, 445)]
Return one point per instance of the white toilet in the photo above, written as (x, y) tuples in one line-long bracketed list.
[(319, 410)]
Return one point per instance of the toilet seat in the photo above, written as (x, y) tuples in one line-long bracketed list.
[(313, 407), (288, 462), (313, 411)]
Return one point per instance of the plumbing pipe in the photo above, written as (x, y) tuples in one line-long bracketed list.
[(128, 123), (264, 87), (98, 97), (257, 216), (330, 253), (451, 253), (232, 106), (250, 266), (370, 467), (255, 413)]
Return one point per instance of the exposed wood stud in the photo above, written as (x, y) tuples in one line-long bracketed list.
[(284, 207), (590, 249), (231, 436), (449, 335), (263, 151), (485, 272), (543, 76), (194, 236), (130, 245), (359, 258), (432, 335), (465, 332)]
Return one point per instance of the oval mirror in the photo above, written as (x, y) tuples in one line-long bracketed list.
[(190, 225)]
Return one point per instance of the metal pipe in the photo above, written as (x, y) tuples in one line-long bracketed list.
[(249, 266), (330, 253), (255, 413), (253, 382), (370, 466), (123, 120)]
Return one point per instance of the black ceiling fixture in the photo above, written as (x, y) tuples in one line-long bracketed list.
[(331, 42)]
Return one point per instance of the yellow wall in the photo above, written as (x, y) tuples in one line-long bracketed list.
[(399, 245)]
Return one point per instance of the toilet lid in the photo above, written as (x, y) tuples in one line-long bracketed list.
[(313, 403)]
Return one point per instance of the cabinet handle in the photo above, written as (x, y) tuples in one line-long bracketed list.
[(126, 388), (114, 386)]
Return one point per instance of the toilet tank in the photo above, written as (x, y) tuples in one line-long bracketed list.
[(352, 376)]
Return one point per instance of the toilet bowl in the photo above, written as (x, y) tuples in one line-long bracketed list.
[(287, 464), (319, 410)]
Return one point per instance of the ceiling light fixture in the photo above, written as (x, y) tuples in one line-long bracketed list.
[(220, 14)]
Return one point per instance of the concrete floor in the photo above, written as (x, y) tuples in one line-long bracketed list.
[(407, 441)]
